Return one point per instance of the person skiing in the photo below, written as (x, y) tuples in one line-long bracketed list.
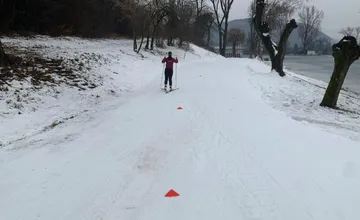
[(169, 69)]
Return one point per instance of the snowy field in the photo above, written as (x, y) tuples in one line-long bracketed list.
[(247, 144)]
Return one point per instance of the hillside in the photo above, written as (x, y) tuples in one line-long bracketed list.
[(243, 24), (93, 75)]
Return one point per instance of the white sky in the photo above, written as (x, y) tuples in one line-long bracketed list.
[(337, 14)]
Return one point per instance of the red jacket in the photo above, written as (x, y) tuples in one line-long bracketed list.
[(170, 61)]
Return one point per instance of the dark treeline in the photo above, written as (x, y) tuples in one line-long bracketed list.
[(148, 20), (88, 18)]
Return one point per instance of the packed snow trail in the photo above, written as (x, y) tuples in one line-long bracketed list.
[(227, 153)]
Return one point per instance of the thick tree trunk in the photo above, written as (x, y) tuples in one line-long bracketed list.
[(4, 59), (220, 42), (225, 36), (147, 42), (276, 52), (134, 41), (234, 49), (154, 35), (141, 42), (170, 41), (208, 38), (143, 31), (152, 41), (345, 53)]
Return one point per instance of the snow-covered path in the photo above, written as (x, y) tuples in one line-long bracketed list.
[(228, 154)]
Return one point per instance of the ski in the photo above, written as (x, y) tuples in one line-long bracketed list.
[(167, 91)]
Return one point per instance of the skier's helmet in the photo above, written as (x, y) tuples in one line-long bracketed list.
[(169, 53)]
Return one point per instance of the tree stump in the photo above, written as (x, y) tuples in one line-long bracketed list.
[(345, 52)]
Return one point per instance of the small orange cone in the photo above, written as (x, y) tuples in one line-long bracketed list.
[(179, 108), (171, 193)]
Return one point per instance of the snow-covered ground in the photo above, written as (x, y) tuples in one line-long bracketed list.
[(110, 64), (247, 144), (300, 96)]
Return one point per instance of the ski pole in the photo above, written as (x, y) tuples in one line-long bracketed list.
[(176, 75), (162, 76)]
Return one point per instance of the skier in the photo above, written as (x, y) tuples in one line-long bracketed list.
[(169, 69)]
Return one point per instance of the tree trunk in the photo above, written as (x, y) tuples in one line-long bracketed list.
[(141, 42), (154, 35), (170, 41), (220, 42), (147, 42), (143, 31), (134, 41), (234, 48), (152, 41), (225, 35), (208, 38), (345, 53), (276, 52), (4, 59)]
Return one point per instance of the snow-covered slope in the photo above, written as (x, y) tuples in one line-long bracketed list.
[(109, 64), (233, 152)]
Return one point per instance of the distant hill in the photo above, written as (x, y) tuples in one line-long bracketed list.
[(244, 25)]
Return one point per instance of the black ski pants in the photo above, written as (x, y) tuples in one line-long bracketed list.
[(168, 76)]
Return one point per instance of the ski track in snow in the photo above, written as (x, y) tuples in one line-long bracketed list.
[(228, 153)]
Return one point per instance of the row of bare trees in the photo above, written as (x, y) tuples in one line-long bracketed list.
[(185, 20), (152, 21), (155, 20)]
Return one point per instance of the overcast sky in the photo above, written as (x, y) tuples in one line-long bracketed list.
[(337, 14)]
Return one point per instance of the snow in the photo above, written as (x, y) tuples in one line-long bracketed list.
[(300, 97), (112, 64), (247, 145)]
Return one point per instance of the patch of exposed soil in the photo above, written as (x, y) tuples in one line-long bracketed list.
[(26, 65)]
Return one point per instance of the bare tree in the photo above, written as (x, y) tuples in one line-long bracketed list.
[(276, 52), (222, 17), (357, 33), (185, 20), (133, 10), (204, 20), (186, 13), (277, 13), (253, 39), (351, 31), (345, 52), (236, 37), (209, 28), (200, 6), (311, 19), (348, 31)]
